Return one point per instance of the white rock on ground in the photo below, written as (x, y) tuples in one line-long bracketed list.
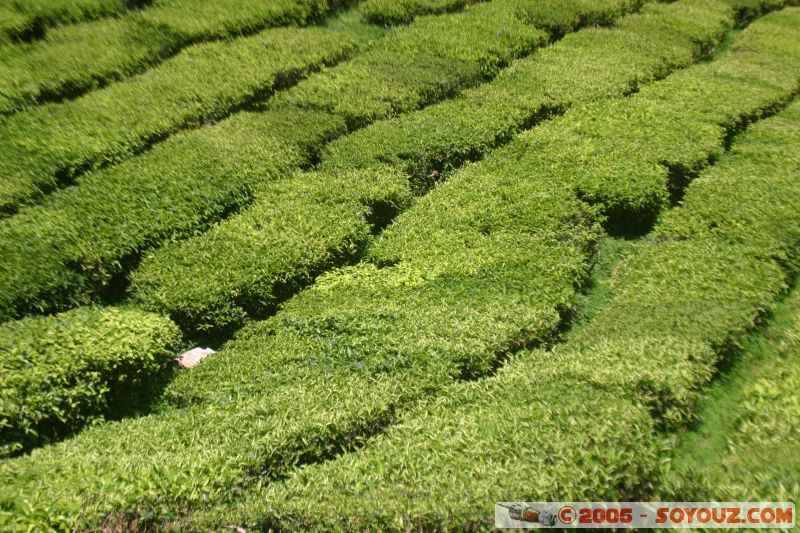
[(193, 356)]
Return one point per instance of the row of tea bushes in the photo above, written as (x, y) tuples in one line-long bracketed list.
[(403, 11), (22, 19), (52, 143), (61, 372), (743, 446), (558, 17), (73, 59)]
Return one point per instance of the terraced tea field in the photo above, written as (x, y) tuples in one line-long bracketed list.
[(449, 253)]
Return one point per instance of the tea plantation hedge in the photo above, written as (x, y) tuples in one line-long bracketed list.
[(73, 59), (54, 142), (60, 372), (497, 269), (26, 19), (13, 23), (558, 17), (403, 11)]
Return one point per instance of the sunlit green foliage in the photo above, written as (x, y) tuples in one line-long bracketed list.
[(58, 373)]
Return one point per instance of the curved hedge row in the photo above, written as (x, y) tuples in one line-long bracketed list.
[(237, 286), (54, 142), (681, 303), (390, 12), (13, 24), (60, 372), (591, 64), (74, 247), (211, 18), (339, 361), (445, 465), (556, 17), (74, 59), (298, 228), (28, 18)]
